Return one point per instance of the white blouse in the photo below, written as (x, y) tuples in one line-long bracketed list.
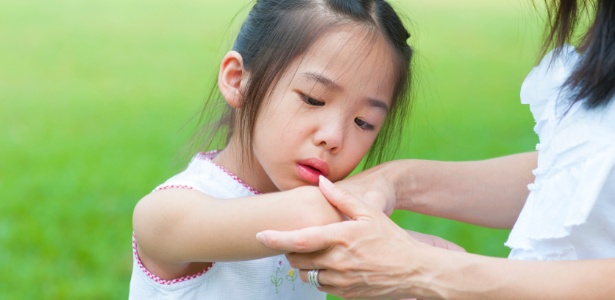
[(570, 211)]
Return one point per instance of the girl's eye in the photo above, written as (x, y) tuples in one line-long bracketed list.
[(363, 125), (311, 101)]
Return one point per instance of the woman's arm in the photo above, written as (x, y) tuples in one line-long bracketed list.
[(178, 227), (370, 257), (471, 276), (488, 192)]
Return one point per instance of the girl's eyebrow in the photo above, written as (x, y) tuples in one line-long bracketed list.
[(332, 85), (378, 104), (322, 80)]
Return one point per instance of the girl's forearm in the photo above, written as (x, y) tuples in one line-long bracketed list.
[(188, 226), (488, 193)]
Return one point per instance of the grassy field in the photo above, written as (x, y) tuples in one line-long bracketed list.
[(98, 99)]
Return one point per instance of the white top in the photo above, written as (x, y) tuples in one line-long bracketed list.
[(570, 211), (266, 278)]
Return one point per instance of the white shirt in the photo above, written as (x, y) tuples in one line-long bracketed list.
[(570, 211), (266, 278)]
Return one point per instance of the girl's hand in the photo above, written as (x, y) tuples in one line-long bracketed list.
[(368, 256)]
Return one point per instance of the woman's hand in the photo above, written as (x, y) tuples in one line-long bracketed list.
[(368, 256), (373, 187)]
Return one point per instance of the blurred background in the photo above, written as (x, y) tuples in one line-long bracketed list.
[(98, 100)]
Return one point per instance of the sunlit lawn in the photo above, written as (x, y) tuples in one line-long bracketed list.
[(97, 101)]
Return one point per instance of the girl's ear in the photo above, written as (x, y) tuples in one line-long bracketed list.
[(231, 78)]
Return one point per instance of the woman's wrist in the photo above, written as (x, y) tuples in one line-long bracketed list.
[(401, 181), (445, 274), (384, 182)]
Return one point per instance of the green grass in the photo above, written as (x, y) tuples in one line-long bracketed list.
[(97, 100)]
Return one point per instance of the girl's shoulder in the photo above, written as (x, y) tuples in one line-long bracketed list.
[(204, 175)]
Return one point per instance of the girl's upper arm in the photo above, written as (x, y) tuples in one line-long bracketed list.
[(179, 226)]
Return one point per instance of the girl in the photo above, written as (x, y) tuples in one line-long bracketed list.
[(559, 201), (311, 85)]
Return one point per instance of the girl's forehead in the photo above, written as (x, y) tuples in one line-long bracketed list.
[(350, 58), (349, 42)]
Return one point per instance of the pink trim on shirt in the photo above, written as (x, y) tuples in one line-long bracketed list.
[(209, 157), (173, 186), (158, 279)]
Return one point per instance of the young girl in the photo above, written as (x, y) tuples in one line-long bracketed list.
[(559, 201), (311, 85)]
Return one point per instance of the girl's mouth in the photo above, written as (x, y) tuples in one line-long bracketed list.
[(310, 169)]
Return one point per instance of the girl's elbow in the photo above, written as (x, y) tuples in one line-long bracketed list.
[(147, 218), (140, 218)]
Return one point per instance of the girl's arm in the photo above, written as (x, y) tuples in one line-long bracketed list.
[(176, 228), (489, 192)]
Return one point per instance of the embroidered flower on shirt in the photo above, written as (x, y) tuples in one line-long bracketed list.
[(291, 276), (276, 279)]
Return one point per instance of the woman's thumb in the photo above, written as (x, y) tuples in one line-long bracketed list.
[(342, 200)]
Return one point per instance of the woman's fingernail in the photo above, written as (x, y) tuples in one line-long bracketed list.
[(324, 181)]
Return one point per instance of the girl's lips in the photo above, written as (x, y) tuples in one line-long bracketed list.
[(310, 169), (318, 164)]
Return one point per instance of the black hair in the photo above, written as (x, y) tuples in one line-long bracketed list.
[(593, 79), (276, 32)]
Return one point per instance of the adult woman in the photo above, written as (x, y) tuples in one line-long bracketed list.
[(563, 237)]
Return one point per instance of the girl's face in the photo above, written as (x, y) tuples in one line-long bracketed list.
[(324, 113)]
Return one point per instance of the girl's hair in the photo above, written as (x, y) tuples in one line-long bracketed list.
[(594, 77), (278, 31)]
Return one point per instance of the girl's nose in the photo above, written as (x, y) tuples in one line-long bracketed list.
[(330, 135)]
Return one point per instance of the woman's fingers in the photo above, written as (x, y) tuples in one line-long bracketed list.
[(305, 240), (321, 237), (343, 200)]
